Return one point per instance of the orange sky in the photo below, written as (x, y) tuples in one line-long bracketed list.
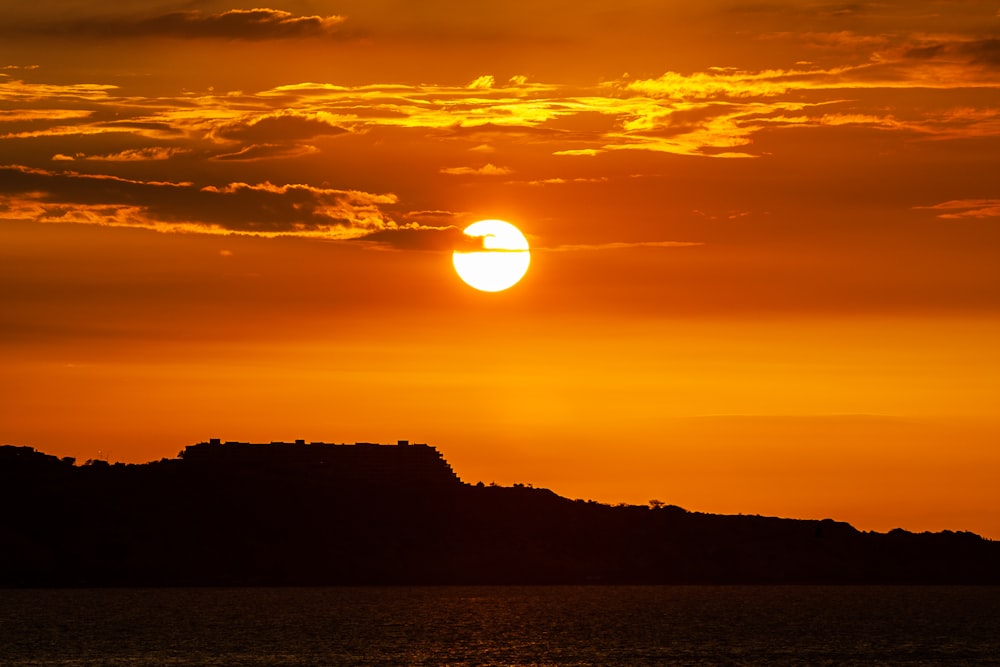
[(765, 236)]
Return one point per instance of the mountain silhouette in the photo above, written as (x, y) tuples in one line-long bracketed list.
[(328, 514)]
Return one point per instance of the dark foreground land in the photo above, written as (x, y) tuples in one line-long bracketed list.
[(321, 514)]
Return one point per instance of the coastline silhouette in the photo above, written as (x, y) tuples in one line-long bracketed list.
[(229, 513)]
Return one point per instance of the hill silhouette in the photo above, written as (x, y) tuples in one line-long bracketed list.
[(325, 514)]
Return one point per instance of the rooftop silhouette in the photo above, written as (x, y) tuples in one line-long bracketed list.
[(400, 464)]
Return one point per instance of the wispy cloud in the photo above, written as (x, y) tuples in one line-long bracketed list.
[(487, 169), (620, 245), (35, 115), (26, 92), (151, 153), (242, 24), (257, 152), (589, 152), (966, 208), (558, 180)]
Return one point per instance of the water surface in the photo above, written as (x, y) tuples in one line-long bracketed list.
[(563, 625)]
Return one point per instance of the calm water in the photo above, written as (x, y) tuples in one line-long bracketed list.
[(667, 625)]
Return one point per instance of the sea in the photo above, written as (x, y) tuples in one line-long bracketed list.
[(502, 625)]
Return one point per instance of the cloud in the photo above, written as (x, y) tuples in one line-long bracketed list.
[(919, 64), (487, 169), (578, 151), (484, 82), (716, 83), (966, 208), (707, 129), (34, 115), (240, 24), (139, 154), (257, 152), (985, 51), (846, 41), (416, 237), (263, 209), (727, 215), (561, 181), (279, 126), (621, 245), (717, 112), (714, 113), (25, 92), (979, 52), (146, 154), (437, 217), (428, 237), (832, 419), (455, 109)]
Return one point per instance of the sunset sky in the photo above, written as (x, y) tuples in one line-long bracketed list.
[(765, 270)]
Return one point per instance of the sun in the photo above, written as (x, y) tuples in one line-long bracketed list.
[(500, 264)]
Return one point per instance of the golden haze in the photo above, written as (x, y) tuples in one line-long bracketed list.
[(764, 243)]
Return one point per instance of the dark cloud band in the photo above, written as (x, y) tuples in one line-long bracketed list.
[(242, 24), (262, 208)]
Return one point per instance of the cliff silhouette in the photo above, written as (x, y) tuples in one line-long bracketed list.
[(325, 514)]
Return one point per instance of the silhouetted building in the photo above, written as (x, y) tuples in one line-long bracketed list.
[(398, 464)]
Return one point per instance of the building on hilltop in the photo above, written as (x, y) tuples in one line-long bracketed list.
[(402, 463)]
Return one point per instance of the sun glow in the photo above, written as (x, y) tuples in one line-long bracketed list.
[(502, 261)]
